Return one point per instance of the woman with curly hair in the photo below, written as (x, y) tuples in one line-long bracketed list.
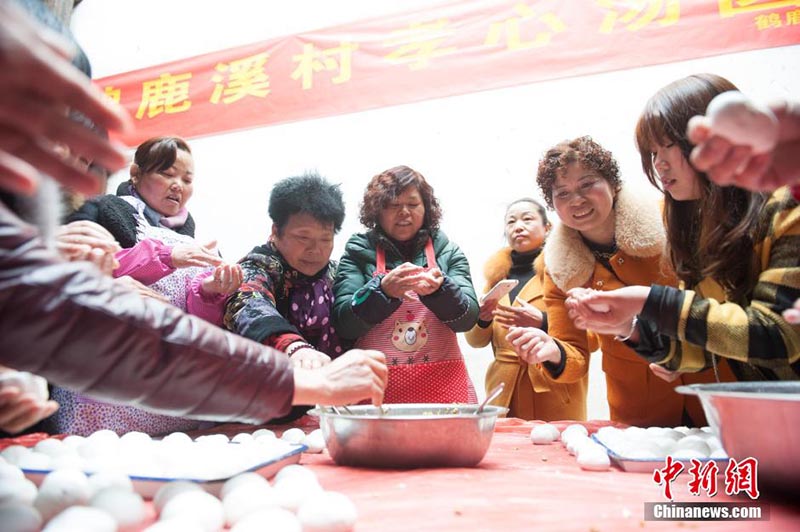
[(609, 237), (735, 252), (405, 289)]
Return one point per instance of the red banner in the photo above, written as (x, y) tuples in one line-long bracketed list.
[(442, 51)]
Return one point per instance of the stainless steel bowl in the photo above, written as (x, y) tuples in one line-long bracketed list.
[(408, 435), (758, 419)]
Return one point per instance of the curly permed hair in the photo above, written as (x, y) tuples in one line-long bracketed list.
[(389, 184), (583, 150), (309, 193)]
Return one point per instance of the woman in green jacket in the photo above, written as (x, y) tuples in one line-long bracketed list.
[(405, 289)]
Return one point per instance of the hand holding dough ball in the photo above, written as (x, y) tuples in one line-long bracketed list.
[(735, 117)]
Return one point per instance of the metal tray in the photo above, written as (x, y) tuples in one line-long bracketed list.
[(648, 465), (148, 486)]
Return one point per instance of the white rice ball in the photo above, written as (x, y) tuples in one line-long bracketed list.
[(199, 506), (241, 480), (74, 441), (35, 461), (8, 470), (126, 507), (544, 434), (293, 435), (17, 490), (53, 448), (592, 457), (242, 437), (108, 479), (60, 490), (175, 524), (82, 518), (572, 431), (295, 470), (694, 443), (13, 454), (166, 492), (178, 438), (264, 433), (247, 499), (19, 517), (291, 493), (327, 511), (315, 441), (267, 520)]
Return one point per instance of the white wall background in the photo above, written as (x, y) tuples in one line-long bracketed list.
[(479, 151)]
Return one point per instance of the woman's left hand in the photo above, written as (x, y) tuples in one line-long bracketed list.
[(609, 312), (429, 282), (226, 280), (533, 345), (525, 315)]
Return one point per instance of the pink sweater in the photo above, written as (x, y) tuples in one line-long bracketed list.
[(150, 260)]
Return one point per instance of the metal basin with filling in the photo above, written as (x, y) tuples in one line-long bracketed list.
[(408, 435)]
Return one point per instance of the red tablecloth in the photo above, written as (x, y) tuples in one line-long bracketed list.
[(518, 486)]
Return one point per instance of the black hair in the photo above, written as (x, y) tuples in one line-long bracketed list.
[(309, 193), (539, 207)]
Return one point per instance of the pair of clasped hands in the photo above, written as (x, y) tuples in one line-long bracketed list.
[(612, 313), (408, 281)]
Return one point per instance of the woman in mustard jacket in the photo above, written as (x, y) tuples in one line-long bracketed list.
[(528, 393), (610, 236)]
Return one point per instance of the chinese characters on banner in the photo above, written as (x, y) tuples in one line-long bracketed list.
[(451, 49), (740, 477)]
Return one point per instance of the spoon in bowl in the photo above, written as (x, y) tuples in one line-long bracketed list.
[(497, 390)]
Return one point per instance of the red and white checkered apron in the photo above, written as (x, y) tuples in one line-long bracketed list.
[(425, 362)]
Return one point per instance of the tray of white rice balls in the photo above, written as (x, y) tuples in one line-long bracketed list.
[(633, 449), (645, 449), (149, 463), (204, 484)]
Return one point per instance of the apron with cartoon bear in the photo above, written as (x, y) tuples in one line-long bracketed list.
[(425, 362)]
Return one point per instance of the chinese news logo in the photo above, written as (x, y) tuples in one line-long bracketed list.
[(740, 477)]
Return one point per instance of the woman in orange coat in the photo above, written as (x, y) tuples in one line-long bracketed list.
[(609, 237), (528, 393)]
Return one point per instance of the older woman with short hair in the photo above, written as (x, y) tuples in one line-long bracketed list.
[(405, 289), (286, 298)]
